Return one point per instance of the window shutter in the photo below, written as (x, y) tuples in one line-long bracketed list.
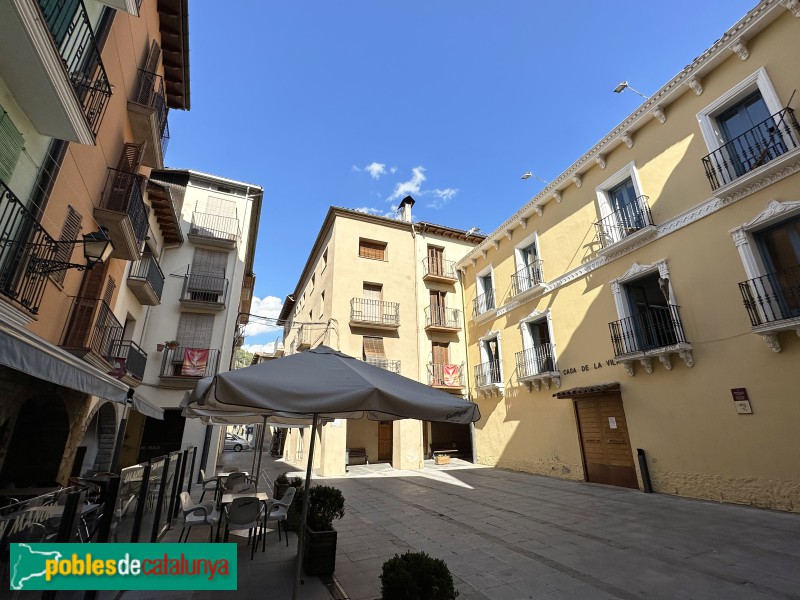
[(11, 144), (69, 233), (194, 330), (441, 353), (375, 250), (109, 293), (373, 348)]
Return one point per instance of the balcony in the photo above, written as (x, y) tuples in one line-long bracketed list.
[(773, 303), (625, 226), (439, 270), (488, 377), (146, 280), (383, 363), (375, 314), (307, 337), (214, 230), (182, 367), (483, 306), (447, 377), (49, 57), (92, 332), (23, 241), (246, 299), (124, 213), (148, 116), (205, 290), (656, 332), (767, 141), (528, 280), (537, 366), (441, 318), (129, 362)]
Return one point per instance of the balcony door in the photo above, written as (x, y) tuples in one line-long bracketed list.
[(194, 332), (373, 296), (438, 312), (207, 277), (436, 261), (752, 138), (780, 250), (529, 265), (540, 358), (622, 198), (651, 324), (440, 353)]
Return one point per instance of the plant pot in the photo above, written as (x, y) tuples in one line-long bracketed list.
[(319, 552), (293, 517), (159, 347)]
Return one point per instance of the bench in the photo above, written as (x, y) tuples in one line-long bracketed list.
[(357, 456)]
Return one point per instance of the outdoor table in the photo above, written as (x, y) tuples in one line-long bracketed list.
[(227, 498)]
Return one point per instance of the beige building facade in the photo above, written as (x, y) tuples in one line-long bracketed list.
[(642, 313), (385, 291)]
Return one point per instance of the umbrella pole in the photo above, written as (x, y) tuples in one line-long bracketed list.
[(301, 534), (261, 451), (255, 449)]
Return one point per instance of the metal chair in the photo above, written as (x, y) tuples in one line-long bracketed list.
[(204, 513), (245, 513), (280, 510), (209, 484)]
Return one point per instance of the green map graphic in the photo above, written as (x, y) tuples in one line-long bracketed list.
[(27, 563)]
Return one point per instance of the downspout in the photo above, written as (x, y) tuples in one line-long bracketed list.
[(421, 443)]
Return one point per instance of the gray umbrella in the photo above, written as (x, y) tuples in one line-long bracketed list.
[(325, 383)]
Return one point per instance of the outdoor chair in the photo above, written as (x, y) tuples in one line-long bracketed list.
[(245, 513), (210, 484), (243, 488), (204, 513), (279, 509), (233, 480)]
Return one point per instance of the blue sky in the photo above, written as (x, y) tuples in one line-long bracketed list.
[(358, 104)]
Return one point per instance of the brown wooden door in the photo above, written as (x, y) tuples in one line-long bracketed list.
[(435, 260), (385, 440), (441, 356), (604, 440)]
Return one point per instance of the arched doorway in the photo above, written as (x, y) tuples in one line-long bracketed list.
[(97, 447), (37, 444)]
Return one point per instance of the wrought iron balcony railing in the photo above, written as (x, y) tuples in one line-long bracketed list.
[(623, 222), (657, 327), (535, 361), (135, 359), (309, 336), (445, 375), (442, 317), (375, 312), (72, 34), (148, 271), (92, 326), (768, 140), (487, 374), (215, 226), (203, 286), (123, 194), (23, 241), (438, 268), (484, 302), (773, 297), (385, 363), (527, 277), (191, 363)]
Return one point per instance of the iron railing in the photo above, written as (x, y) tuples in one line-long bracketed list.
[(203, 286), (309, 335), (533, 361), (72, 33), (772, 297), (135, 359), (488, 373), (147, 269), (123, 193), (92, 326), (623, 222), (190, 362), (215, 226), (438, 267), (385, 363), (23, 242), (768, 140), (656, 327), (483, 303), (378, 312), (445, 375), (151, 94), (527, 277), (441, 316)]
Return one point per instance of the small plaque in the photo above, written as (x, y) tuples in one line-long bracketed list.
[(743, 407), (612, 422), (740, 395)]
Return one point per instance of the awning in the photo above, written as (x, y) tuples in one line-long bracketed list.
[(27, 352), (579, 392)]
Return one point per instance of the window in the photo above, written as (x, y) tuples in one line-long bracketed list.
[(373, 250), (441, 371), (69, 233), (436, 264), (529, 266), (373, 351), (489, 372), (484, 301), (325, 259), (194, 332), (11, 144), (207, 281), (438, 308), (538, 355), (623, 208)]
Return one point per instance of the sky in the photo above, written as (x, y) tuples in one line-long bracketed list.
[(358, 104)]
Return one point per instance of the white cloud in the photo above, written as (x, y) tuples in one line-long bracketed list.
[(391, 214), (393, 170), (368, 210), (375, 170), (355, 169), (268, 347), (410, 187), (442, 197), (269, 306)]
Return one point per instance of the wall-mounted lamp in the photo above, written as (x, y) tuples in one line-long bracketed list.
[(623, 85), (97, 247), (528, 175)]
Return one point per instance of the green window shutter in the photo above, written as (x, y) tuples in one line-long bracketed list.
[(11, 144), (69, 233)]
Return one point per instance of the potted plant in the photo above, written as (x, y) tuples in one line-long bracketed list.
[(279, 487), (416, 575), (325, 504), (171, 344), (295, 508)]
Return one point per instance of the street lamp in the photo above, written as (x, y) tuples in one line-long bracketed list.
[(623, 85), (528, 175), (97, 248)]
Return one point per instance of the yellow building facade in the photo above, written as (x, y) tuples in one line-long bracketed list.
[(636, 323)]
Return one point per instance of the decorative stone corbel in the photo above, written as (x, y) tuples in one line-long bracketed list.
[(463, 271), (629, 368), (557, 378), (538, 210), (658, 113), (793, 6), (546, 383), (473, 261), (647, 364), (557, 196), (523, 222), (695, 85), (772, 341), (627, 138), (687, 357), (535, 384), (496, 244), (576, 179), (600, 159), (509, 233), (666, 361), (740, 48), (483, 254)]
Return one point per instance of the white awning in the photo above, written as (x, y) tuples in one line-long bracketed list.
[(27, 352)]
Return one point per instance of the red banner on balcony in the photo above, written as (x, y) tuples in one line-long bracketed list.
[(195, 361), (450, 375)]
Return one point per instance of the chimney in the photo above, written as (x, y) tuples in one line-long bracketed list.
[(405, 206)]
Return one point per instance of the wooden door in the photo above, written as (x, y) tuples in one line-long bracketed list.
[(435, 260), (373, 306), (385, 440), (437, 307), (441, 357), (604, 441)]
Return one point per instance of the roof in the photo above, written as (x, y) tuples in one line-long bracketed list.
[(174, 25)]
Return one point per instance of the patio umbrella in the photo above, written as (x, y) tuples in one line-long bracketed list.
[(323, 382)]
